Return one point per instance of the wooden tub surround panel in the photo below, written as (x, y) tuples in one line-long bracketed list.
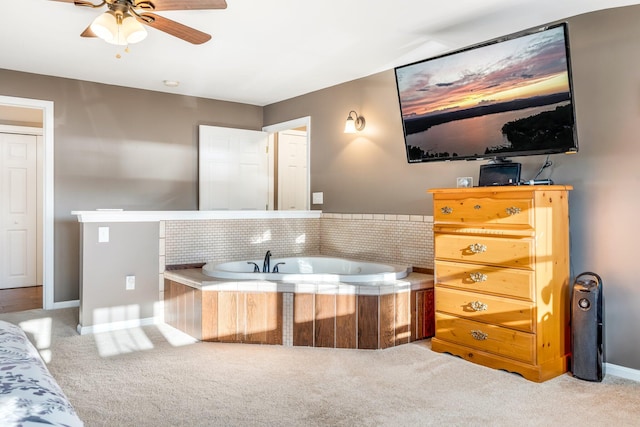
[(422, 314), (325, 320), (362, 321), (346, 321), (368, 312), (303, 316), (331, 320), (183, 305), (243, 317)]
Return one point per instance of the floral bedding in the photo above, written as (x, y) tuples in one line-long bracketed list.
[(29, 396)]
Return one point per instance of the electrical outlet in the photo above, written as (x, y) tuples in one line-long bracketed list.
[(464, 182), (317, 198), (130, 283)]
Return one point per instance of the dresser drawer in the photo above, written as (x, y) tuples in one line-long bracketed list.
[(480, 249), (486, 308), (508, 282), (490, 338), (484, 211)]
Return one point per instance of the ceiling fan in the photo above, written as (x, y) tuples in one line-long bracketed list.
[(121, 23)]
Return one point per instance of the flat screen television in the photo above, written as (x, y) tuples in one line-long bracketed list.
[(503, 98)]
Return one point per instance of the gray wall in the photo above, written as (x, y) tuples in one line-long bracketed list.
[(132, 250), (117, 147), (368, 172)]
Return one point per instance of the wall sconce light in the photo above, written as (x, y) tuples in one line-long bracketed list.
[(354, 123), (117, 27)]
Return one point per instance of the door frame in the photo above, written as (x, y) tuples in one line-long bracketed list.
[(292, 124), (47, 196)]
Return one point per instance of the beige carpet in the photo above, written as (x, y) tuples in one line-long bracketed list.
[(151, 376)]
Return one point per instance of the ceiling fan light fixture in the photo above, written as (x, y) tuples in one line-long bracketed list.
[(118, 28), (132, 30), (105, 26)]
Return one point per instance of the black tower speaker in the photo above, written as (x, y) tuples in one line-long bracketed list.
[(586, 327)]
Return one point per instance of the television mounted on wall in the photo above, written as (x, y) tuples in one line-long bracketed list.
[(507, 97)]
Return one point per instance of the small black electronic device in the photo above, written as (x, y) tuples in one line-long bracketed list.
[(499, 174), (537, 182)]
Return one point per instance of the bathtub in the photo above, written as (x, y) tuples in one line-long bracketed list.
[(311, 301), (309, 268)]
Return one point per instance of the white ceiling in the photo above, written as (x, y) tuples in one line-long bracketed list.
[(264, 51)]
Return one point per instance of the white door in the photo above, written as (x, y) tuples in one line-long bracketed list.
[(18, 210), (292, 170), (233, 169)]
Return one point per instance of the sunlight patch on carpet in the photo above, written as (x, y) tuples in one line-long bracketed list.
[(175, 337), (122, 341)]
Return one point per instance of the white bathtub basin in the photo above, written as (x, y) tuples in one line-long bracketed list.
[(309, 268)]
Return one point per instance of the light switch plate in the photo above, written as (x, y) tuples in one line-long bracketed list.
[(103, 234)]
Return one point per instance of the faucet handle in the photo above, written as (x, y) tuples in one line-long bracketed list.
[(275, 267), (256, 269)]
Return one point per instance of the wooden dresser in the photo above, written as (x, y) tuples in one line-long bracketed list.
[(502, 277)]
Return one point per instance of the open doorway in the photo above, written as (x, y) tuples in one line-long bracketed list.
[(20, 212), (289, 156), (26, 126)]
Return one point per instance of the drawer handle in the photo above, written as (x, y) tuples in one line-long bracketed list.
[(446, 210), (478, 277), (477, 248), (512, 210), (476, 207), (479, 335), (478, 306)]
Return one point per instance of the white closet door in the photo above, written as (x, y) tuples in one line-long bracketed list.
[(292, 170), (18, 210), (233, 169)]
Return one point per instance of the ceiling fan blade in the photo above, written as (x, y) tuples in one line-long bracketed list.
[(179, 4), (174, 28), (88, 33), (98, 3)]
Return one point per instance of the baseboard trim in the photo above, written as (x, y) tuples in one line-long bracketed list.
[(115, 326), (622, 372), (65, 304)]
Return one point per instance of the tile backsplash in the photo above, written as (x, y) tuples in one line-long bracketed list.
[(398, 239), (197, 241), (402, 239)]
